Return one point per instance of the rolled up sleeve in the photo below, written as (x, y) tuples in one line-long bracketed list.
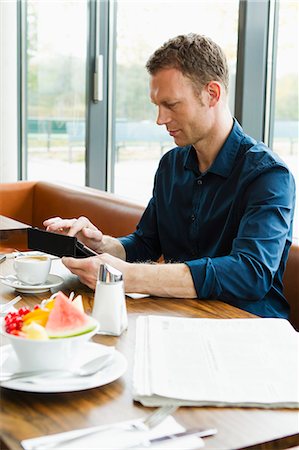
[(246, 274)]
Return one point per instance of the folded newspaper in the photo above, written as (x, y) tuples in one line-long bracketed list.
[(216, 362)]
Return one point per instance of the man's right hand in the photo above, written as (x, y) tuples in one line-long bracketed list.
[(82, 228)]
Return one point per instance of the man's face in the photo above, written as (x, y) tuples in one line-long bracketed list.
[(185, 113)]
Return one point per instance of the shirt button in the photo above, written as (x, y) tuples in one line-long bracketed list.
[(193, 217), (199, 182)]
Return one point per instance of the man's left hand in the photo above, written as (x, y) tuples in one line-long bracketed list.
[(87, 269)]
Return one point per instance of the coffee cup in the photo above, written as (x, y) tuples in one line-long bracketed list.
[(32, 270)]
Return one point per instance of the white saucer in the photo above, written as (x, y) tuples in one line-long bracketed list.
[(52, 281), (9, 363)]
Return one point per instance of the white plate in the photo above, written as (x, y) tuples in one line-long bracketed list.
[(52, 281), (9, 363)]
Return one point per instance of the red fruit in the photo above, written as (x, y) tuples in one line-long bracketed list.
[(13, 322), (11, 315), (11, 327), (36, 307), (9, 320), (24, 310)]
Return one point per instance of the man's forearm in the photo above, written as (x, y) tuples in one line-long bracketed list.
[(164, 280), (113, 247)]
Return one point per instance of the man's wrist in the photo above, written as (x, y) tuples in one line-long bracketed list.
[(112, 246), (134, 276)]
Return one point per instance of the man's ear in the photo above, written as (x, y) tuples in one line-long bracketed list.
[(214, 90)]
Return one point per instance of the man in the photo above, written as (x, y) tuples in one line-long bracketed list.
[(222, 207)]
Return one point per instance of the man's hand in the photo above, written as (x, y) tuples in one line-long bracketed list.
[(82, 228), (87, 269)]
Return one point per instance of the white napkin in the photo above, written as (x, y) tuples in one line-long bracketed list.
[(119, 439), (137, 296)]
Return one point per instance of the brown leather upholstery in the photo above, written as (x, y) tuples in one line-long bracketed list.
[(16, 200), (33, 202), (291, 284), (111, 214)]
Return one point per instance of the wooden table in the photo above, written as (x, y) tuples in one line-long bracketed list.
[(28, 415), (13, 234)]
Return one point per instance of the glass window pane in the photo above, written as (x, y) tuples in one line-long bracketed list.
[(56, 66), (141, 28), (285, 141)]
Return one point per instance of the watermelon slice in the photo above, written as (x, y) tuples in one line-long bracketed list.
[(66, 320)]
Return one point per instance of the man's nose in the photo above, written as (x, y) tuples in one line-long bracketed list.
[(163, 117)]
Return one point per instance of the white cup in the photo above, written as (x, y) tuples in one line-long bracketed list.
[(32, 270)]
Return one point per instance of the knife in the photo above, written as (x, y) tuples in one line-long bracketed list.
[(198, 432)]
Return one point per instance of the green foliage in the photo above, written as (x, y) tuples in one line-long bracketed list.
[(286, 107), (56, 87), (132, 93)]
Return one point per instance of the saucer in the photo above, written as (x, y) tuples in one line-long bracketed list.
[(52, 281), (9, 363)]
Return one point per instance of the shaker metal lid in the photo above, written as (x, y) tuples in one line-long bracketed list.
[(108, 274)]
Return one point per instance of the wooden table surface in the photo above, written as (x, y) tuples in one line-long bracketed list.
[(27, 415), (13, 235)]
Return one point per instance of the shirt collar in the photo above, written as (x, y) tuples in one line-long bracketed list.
[(223, 164)]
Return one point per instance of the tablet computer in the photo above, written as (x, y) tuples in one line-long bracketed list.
[(57, 244)]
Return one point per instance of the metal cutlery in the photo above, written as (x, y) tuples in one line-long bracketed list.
[(87, 369), (12, 279), (152, 420), (147, 423), (199, 432), (8, 277)]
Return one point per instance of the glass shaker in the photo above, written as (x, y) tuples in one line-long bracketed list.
[(109, 306)]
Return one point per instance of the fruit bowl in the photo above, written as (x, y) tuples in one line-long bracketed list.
[(50, 337), (52, 354)]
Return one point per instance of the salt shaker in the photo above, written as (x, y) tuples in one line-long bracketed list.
[(109, 306)]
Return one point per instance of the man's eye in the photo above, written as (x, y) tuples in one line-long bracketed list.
[(171, 105)]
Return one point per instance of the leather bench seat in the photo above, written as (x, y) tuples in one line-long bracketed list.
[(291, 284), (33, 202)]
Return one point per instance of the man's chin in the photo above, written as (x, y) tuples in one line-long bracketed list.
[(180, 142)]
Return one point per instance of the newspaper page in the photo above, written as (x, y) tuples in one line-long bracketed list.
[(239, 362)]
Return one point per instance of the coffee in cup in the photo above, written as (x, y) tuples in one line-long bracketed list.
[(32, 270)]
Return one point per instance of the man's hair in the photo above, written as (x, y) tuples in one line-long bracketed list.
[(196, 56)]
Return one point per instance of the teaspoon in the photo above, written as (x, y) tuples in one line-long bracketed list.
[(87, 369)]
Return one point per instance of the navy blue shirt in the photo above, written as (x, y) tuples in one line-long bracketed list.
[(231, 225)]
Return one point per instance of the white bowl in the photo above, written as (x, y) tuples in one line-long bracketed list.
[(52, 354)]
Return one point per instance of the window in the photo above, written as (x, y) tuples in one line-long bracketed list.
[(124, 142), (141, 28), (285, 130), (55, 90)]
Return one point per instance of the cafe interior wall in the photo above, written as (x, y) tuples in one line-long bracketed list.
[(8, 92)]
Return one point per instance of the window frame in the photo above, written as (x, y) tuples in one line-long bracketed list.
[(255, 26)]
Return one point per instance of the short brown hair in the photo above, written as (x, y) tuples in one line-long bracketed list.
[(196, 56)]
